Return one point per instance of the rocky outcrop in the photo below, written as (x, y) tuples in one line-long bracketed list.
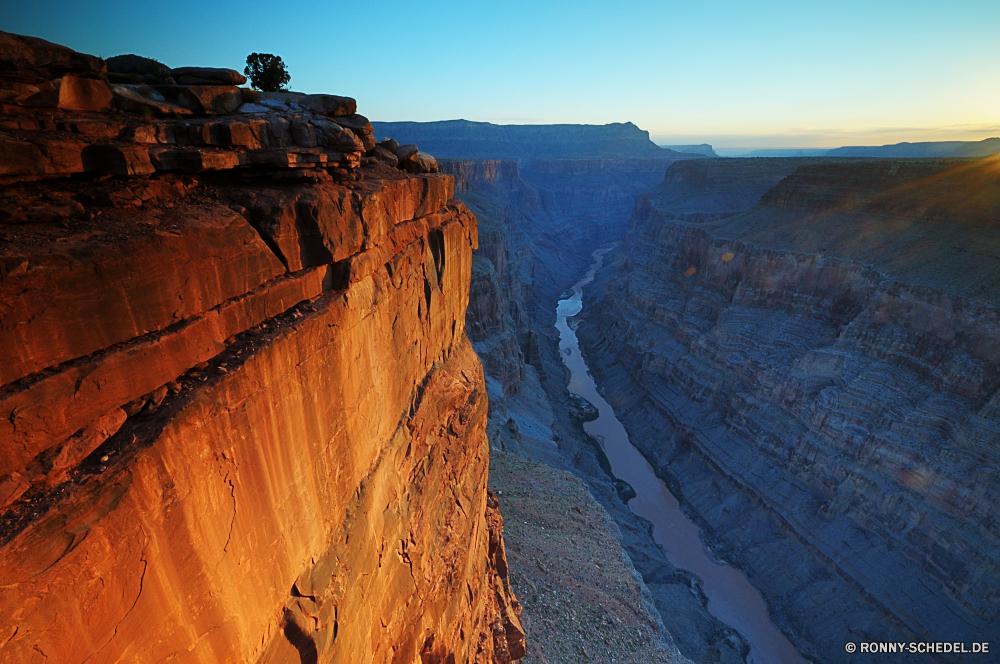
[(816, 379), (37, 73), (242, 420)]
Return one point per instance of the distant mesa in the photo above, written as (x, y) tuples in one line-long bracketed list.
[(924, 150), (463, 139), (773, 152), (985, 148), (701, 148)]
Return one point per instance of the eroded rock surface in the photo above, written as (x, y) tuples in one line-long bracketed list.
[(817, 379), (536, 229), (242, 420)]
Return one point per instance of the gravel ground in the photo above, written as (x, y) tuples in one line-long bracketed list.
[(582, 599)]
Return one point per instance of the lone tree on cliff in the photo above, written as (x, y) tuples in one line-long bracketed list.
[(266, 72)]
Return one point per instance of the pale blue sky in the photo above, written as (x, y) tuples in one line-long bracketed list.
[(764, 73)]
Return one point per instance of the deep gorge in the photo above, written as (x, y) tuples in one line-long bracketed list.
[(275, 376), (822, 403)]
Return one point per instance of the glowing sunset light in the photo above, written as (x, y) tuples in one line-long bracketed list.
[(728, 73)]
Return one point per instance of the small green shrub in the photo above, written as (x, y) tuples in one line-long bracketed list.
[(249, 96)]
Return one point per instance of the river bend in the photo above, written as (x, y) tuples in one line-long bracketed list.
[(731, 598)]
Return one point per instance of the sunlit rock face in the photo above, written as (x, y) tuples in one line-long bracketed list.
[(819, 378), (242, 420)]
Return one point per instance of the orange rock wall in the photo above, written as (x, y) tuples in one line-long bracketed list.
[(312, 485)]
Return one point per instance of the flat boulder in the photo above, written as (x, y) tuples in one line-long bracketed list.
[(420, 163), (32, 60), (361, 127), (385, 156), (331, 106), (250, 107), (84, 94), (404, 152), (207, 76)]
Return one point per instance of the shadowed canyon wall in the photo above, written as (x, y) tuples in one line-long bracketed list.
[(537, 228), (242, 421), (805, 350), (817, 378)]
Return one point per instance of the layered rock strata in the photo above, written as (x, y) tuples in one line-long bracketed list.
[(240, 423), (319, 137), (817, 379), (532, 234), (711, 189)]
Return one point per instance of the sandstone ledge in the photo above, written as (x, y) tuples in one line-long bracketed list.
[(242, 420)]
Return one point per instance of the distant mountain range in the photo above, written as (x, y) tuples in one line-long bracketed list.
[(772, 152), (984, 148), (463, 139), (929, 149)]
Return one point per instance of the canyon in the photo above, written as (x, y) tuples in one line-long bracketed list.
[(817, 378), (273, 386), (804, 350)]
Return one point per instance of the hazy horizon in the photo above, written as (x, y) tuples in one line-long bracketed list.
[(774, 74)]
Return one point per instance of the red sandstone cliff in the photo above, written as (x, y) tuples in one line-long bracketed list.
[(241, 420)]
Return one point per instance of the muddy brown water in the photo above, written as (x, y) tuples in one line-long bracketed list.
[(731, 598)]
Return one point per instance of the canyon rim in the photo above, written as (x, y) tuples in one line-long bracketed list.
[(283, 384)]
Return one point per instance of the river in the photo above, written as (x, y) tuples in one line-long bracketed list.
[(731, 598)]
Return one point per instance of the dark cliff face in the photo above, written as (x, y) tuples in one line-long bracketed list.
[(924, 222), (711, 189), (537, 227), (818, 378), (462, 139)]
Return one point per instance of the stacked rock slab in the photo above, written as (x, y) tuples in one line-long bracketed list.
[(242, 421)]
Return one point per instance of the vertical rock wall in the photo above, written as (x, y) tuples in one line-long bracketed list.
[(536, 233), (242, 421), (817, 377)]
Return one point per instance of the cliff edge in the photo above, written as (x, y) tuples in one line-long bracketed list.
[(241, 419)]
